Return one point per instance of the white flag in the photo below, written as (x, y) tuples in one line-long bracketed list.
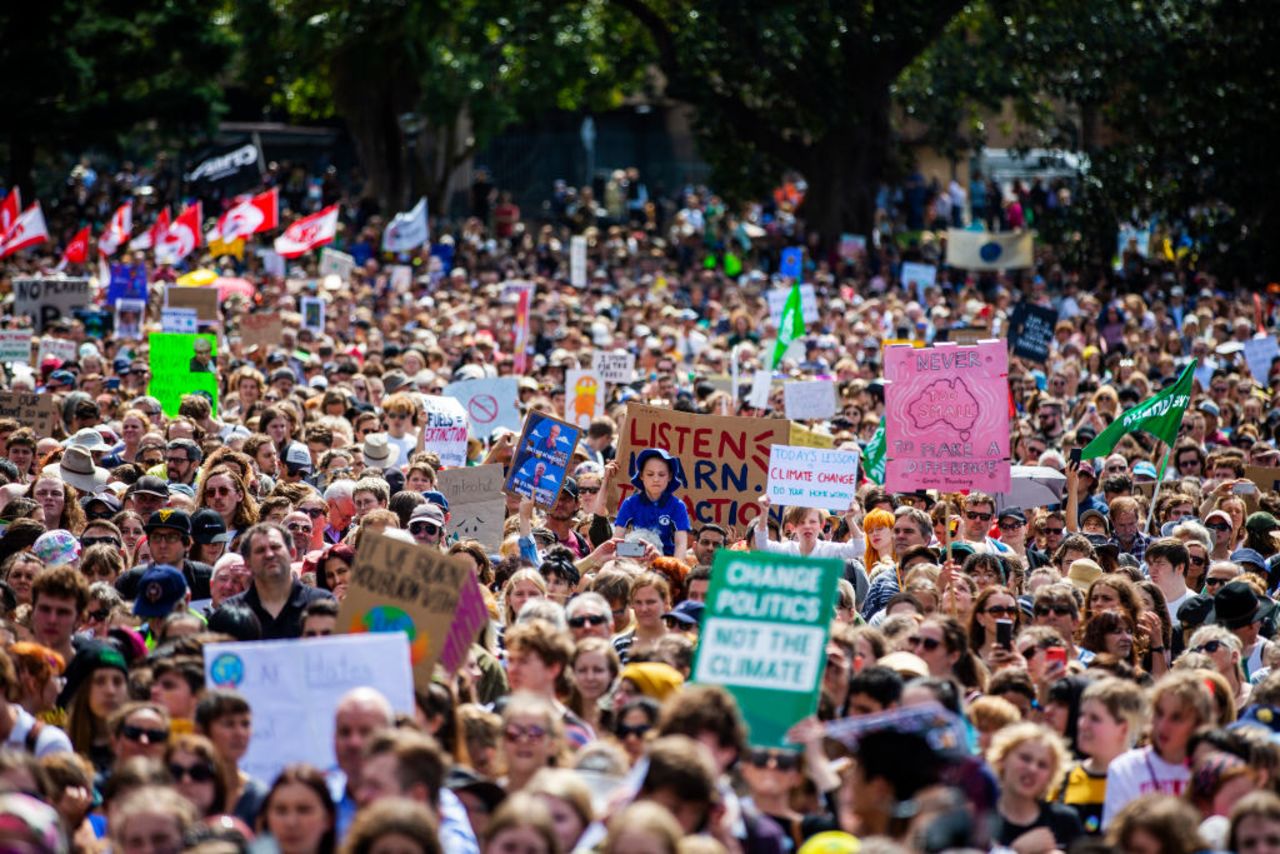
[(408, 230), (988, 250)]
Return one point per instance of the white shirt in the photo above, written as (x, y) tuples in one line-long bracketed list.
[(50, 740), (1140, 772), (855, 548)]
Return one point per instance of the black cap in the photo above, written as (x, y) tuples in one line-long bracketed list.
[(149, 484), (207, 527), (174, 520), (571, 488)]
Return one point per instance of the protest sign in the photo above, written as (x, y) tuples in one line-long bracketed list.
[(129, 314), (128, 281), (179, 367), (294, 687), (761, 388), (15, 346), (917, 278), (542, 459), (852, 246), (725, 459), (874, 455), (812, 477), (1031, 331), (578, 261), (313, 314), (397, 586), (446, 429), (810, 400), (1266, 478), (203, 299), (37, 411), (335, 263), (401, 277), (489, 403), (179, 320), (1259, 353), (272, 263), (764, 637), (261, 330), (947, 418), (48, 299), (777, 298), (965, 335), (477, 507), (62, 349), (792, 265), (614, 367), (806, 438), (584, 395)]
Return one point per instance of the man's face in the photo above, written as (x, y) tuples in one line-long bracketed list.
[(1053, 530), (299, 525), (167, 546), (53, 620), (1161, 571), (363, 502), (1189, 464), (704, 548), (1058, 615), (354, 723), (1048, 417), (378, 779), (526, 671), (319, 626), (21, 456), (203, 352), (906, 534), (698, 590), (426, 532), (977, 519), (565, 508), (590, 621), (1125, 524), (269, 557), (145, 503)]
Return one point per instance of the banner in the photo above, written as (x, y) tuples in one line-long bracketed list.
[(27, 230), (947, 418), (986, 250), (15, 346), (48, 299), (490, 403), (812, 477), (619, 368), (1031, 331), (294, 687), (237, 166), (259, 213), (764, 637), (541, 459), (1158, 416), (397, 586), (180, 366), (520, 340), (308, 233), (874, 454), (777, 298), (477, 507), (446, 429), (810, 400), (407, 230), (584, 395), (37, 411), (725, 459), (1259, 353)]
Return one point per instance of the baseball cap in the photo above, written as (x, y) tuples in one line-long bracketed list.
[(207, 527), (159, 591), (174, 520), (297, 457), (149, 484), (435, 497), (571, 488), (687, 613), (428, 511)]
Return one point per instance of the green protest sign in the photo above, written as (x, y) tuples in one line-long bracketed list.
[(873, 455), (764, 636), (182, 363)]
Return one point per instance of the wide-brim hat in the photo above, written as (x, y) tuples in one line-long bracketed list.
[(76, 468), (1235, 606)]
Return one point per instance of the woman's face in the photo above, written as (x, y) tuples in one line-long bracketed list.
[(21, 576), (132, 531), (223, 495), (1103, 598), (522, 591), (296, 817), (1120, 641), (417, 481), (591, 674), (337, 572), (108, 689), (143, 733), (278, 430), (568, 824), (648, 605), (1098, 733), (771, 772), (881, 540), (558, 588), (151, 833), (527, 743), (1257, 834), (517, 840), (631, 731), (132, 428), (230, 735), (193, 777), (1005, 608), (50, 495), (1028, 769), (249, 392), (1171, 728)]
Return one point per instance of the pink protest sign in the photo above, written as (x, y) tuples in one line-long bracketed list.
[(947, 417)]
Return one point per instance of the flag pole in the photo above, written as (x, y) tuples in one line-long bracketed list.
[(1155, 493)]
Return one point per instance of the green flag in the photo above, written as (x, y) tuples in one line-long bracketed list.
[(873, 456), (1160, 416), (790, 328)]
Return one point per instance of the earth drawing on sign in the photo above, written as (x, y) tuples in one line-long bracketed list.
[(948, 402)]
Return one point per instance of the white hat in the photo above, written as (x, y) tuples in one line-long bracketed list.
[(376, 450), (76, 468)]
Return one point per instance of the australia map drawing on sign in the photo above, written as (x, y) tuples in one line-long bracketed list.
[(947, 417)]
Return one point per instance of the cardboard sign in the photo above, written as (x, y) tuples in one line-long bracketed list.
[(48, 299), (1259, 353), (335, 263), (182, 320), (396, 586), (578, 261), (725, 459), (313, 314), (806, 438), (129, 314), (1267, 478), (947, 418), (812, 477), (261, 330), (62, 349), (964, 335), (777, 298), (477, 507), (764, 637), (489, 403), (917, 278), (584, 395), (294, 687), (614, 367), (37, 411), (761, 389), (1031, 331), (542, 459), (15, 346), (177, 369), (446, 429), (810, 400), (203, 299)]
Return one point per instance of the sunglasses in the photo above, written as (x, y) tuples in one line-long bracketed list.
[(175, 461), (782, 761), (196, 773), (526, 734), (1006, 610), (973, 516), (1011, 526), (928, 644), (587, 619), (97, 541), (1029, 653), (638, 730), (99, 615), (138, 733), (1060, 610), (1220, 527), (298, 528), (397, 416), (1198, 561), (221, 490), (1054, 532), (313, 512), (1208, 646), (1214, 582), (424, 528), (590, 490)]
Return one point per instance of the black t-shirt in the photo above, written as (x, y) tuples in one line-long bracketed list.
[(1062, 822)]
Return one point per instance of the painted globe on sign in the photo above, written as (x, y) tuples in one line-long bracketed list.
[(388, 618), (227, 670)]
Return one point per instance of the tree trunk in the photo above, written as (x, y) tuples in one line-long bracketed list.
[(22, 164), (372, 116)]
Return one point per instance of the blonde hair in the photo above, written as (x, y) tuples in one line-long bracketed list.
[(1190, 690), (1008, 739), (565, 785), (649, 818), (1124, 701), (526, 574)]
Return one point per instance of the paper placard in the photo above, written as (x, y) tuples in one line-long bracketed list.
[(129, 315), (446, 429), (1259, 354), (401, 278), (15, 346), (48, 299), (261, 330), (812, 477), (272, 263), (127, 282), (584, 394), (578, 261), (313, 314), (37, 411), (761, 388), (542, 459), (177, 369), (477, 507), (777, 298), (62, 349), (810, 400), (181, 320), (335, 263), (294, 687), (806, 438), (617, 368), (489, 403), (1031, 330), (203, 299), (917, 278)]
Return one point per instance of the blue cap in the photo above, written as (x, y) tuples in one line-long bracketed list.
[(687, 613), (437, 498), (62, 378), (160, 590), (1146, 468), (122, 365), (1249, 556)]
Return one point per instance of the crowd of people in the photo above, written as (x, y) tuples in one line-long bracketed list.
[(1096, 673)]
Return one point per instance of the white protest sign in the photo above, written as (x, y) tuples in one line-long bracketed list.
[(584, 395), (401, 278), (178, 320), (333, 262), (614, 367), (15, 345), (129, 316), (1259, 353), (477, 506), (778, 301), (313, 314), (578, 261), (48, 299), (918, 277), (489, 403), (812, 477), (272, 262), (58, 348), (446, 429), (761, 386), (294, 687), (809, 400)]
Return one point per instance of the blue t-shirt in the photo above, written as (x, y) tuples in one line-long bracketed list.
[(666, 516)]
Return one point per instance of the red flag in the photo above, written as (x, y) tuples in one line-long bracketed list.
[(27, 230), (77, 251), (147, 238), (308, 233), (117, 233), (181, 238), (260, 213), (10, 210)]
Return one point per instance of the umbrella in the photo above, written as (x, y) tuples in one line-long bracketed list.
[(197, 277), (1032, 486), (228, 286)]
